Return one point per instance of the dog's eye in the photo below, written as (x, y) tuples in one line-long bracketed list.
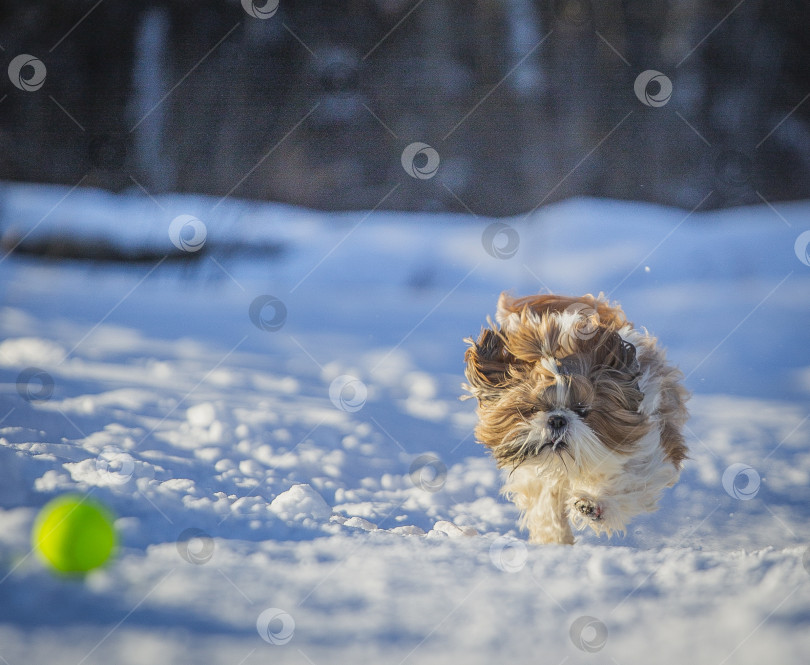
[(529, 409), (581, 410)]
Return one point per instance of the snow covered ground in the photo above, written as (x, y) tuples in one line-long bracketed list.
[(276, 425)]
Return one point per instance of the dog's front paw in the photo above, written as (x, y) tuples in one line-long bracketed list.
[(588, 508)]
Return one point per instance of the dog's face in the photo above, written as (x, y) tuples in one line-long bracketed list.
[(556, 384)]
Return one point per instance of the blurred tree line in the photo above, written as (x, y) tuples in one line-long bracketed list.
[(313, 102)]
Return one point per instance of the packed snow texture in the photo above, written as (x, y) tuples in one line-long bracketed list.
[(276, 425)]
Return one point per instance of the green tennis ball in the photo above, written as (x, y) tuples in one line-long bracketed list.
[(74, 534)]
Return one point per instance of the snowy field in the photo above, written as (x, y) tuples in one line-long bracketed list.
[(275, 422)]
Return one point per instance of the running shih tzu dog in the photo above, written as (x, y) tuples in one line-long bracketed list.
[(580, 409)]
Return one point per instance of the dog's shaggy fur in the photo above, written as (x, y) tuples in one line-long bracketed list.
[(580, 409)]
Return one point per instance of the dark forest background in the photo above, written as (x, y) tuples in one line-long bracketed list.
[(525, 101)]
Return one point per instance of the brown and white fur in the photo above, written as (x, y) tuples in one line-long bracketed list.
[(580, 409)]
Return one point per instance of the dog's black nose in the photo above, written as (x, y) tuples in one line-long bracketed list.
[(557, 422)]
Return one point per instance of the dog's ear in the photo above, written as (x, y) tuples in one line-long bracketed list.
[(487, 364), (506, 307), (613, 352), (616, 366)]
